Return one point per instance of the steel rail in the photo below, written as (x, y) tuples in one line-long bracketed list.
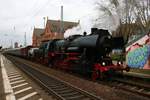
[(133, 87)]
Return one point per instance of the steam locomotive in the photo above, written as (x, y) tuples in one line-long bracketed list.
[(85, 54)]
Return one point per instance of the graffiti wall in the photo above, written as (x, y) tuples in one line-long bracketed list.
[(138, 53)]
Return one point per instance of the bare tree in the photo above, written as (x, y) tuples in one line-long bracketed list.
[(133, 15), (142, 13), (114, 7)]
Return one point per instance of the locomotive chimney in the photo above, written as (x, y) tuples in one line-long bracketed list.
[(93, 30), (84, 33)]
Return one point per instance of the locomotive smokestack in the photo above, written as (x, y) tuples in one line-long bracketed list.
[(93, 30), (84, 33)]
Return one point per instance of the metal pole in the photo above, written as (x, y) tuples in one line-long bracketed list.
[(11, 43), (25, 43), (61, 27), (44, 21)]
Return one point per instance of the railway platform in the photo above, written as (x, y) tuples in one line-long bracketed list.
[(15, 85)]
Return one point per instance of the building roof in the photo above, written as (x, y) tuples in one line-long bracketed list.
[(38, 31), (55, 25)]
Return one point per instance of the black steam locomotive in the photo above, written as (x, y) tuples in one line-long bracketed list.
[(86, 54)]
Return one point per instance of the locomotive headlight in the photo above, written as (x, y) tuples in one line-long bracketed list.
[(109, 37), (103, 63), (119, 62)]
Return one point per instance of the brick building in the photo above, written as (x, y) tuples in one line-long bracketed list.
[(53, 29), (36, 38)]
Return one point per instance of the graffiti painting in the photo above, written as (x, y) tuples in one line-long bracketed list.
[(138, 54)]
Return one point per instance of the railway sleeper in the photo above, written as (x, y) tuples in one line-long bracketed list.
[(69, 94), (120, 84), (146, 92), (66, 91), (75, 97), (60, 89), (134, 88), (55, 85), (141, 90)]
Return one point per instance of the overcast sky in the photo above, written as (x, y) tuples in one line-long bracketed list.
[(20, 16)]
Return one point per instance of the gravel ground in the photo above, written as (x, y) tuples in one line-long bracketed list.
[(104, 91)]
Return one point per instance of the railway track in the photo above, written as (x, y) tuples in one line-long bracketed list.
[(59, 89), (127, 84), (132, 86)]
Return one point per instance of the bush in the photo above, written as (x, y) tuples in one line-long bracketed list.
[(118, 57)]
